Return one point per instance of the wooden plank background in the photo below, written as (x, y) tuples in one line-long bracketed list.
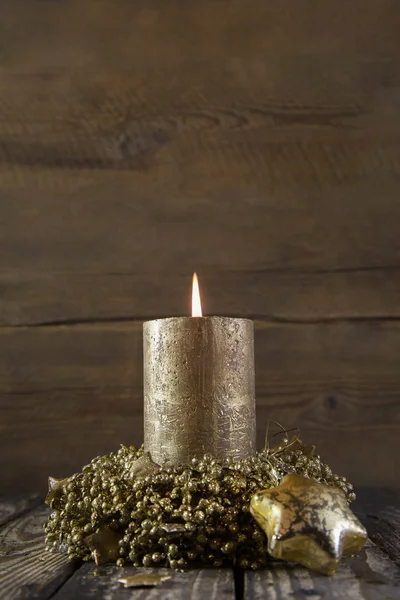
[(255, 142)]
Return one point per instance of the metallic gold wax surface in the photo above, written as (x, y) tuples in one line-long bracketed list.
[(308, 522), (198, 388)]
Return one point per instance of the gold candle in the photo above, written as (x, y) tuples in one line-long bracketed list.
[(198, 387)]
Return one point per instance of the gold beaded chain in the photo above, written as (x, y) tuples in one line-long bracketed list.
[(177, 515)]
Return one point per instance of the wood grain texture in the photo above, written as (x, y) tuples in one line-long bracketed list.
[(195, 584), (10, 508), (26, 571), (384, 535), (368, 576), (379, 511), (380, 502), (256, 143), (297, 252)]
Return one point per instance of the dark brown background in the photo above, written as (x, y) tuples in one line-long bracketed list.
[(255, 142)]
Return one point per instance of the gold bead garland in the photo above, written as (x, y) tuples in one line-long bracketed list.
[(173, 516)]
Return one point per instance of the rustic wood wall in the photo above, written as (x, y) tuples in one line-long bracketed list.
[(255, 142)]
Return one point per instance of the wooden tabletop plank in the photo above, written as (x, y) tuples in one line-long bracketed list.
[(10, 508), (379, 510), (384, 535), (370, 575), (197, 584), (26, 570), (379, 502)]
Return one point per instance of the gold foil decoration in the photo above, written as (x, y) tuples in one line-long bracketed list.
[(104, 544), (56, 489), (143, 580), (308, 522), (173, 528), (144, 466)]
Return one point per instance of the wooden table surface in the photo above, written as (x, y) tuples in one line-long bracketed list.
[(26, 571)]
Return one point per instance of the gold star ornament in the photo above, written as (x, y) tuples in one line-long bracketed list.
[(308, 523)]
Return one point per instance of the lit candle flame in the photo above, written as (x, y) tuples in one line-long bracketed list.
[(196, 304)]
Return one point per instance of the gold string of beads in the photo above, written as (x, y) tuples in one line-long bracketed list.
[(177, 515)]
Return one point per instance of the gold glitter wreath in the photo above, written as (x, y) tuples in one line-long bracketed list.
[(125, 508)]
